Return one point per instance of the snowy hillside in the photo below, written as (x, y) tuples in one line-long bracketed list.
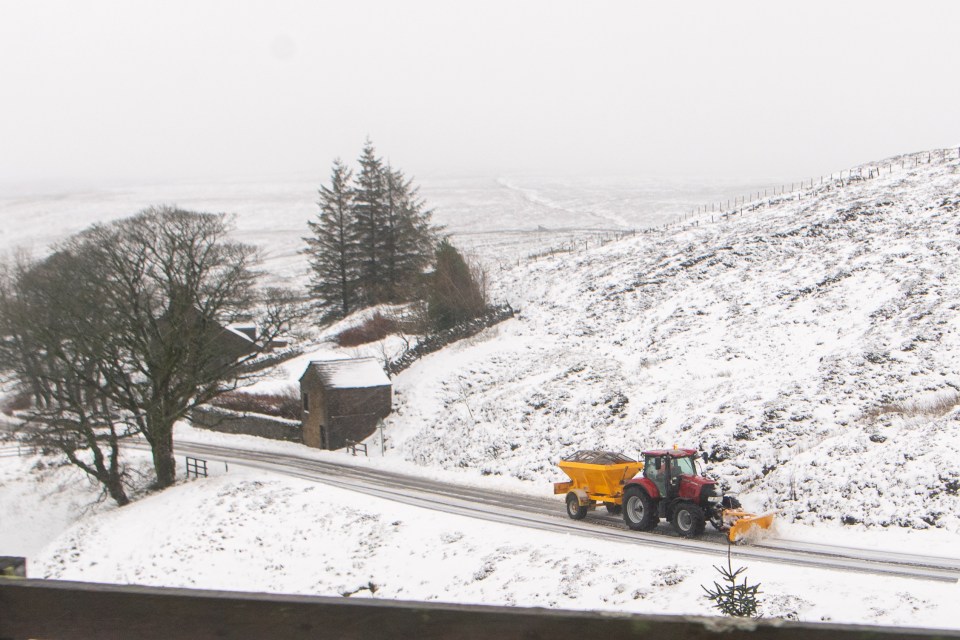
[(809, 346)]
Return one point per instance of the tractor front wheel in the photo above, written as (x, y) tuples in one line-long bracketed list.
[(688, 520), (639, 511), (574, 510)]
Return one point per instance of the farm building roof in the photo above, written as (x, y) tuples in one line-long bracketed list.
[(354, 373)]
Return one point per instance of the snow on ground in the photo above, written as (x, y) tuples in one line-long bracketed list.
[(252, 531), (809, 346), (41, 497)]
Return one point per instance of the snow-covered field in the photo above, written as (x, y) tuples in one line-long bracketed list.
[(809, 346), (248, 531)]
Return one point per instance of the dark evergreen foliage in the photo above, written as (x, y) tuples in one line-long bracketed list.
[(373, 238), (732, 599), (333, 248), (409, 238), (370, 220)]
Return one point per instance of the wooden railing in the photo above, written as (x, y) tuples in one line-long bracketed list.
[(76, 610)]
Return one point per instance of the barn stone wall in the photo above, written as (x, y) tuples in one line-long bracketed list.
[(377, 401), (245, 423)]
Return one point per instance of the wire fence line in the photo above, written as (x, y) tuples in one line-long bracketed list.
[(724, 210), (594, 239)]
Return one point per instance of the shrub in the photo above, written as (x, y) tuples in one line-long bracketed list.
[(931, 405), (20, 401), (377, 327), (457, 290)]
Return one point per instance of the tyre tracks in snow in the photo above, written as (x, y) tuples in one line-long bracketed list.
[(545, 514)]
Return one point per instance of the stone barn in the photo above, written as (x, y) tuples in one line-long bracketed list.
[(343, 400)]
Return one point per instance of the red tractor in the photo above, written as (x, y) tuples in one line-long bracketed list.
[(670, 488)]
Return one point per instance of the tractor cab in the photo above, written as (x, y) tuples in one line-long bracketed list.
[(674, 473)]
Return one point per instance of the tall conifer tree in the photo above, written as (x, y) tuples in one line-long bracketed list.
[(392, 220), (373, 238), (414, 237), (369, 223), (333, 246)]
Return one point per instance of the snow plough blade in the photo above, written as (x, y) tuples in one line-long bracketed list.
[(742, 523)]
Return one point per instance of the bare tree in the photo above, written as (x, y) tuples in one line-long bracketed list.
[(45, 338), (133, 314)]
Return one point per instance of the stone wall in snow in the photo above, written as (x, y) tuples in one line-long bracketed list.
[(245, 423)]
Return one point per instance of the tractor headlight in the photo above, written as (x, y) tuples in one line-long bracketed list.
[(713, 498)]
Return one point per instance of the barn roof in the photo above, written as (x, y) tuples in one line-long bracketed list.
[(354, 373)]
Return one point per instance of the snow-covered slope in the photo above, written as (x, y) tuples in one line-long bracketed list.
[(243, 530), (809, 346)]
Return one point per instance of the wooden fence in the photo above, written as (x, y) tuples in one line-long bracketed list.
[(78, 611)]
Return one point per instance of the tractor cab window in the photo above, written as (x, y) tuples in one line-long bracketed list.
[(655, 469), (682, 467)]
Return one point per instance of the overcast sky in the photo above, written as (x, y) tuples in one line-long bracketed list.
[(98, 93)]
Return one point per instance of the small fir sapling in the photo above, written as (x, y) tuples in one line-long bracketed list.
[(732, 599)]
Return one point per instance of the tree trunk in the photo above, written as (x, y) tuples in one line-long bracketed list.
[(163, 460), (114, 486)]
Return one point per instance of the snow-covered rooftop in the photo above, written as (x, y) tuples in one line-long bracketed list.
[(354, 373)]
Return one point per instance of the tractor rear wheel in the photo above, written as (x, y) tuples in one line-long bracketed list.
[(639, 511), (574, 510), (688, 520)]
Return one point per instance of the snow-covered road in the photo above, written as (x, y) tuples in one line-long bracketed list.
[(548, 515)]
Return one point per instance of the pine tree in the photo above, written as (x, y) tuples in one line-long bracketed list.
[(369, 213), (333, 247), (393, 197), (409, 237), (373, 238), (732, 599)]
